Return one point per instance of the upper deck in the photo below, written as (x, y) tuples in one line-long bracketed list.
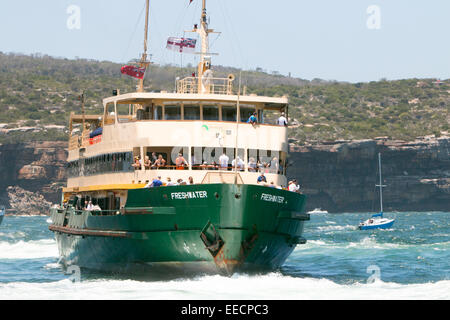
[(200, 126)]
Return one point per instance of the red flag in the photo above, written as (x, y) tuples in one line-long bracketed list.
[(133, 71), (181, 44)]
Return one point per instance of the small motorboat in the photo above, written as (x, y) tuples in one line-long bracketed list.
[(317, 210), (377, 221)]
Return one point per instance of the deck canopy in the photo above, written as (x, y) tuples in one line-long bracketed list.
[(95, 120), (269, 103)]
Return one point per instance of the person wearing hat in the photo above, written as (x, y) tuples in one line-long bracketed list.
[(137, 163), (282, 121), (293, 186)]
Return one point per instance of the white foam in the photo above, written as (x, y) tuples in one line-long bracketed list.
[(29, 249), (367, 243), (337, 228), (271, 286)]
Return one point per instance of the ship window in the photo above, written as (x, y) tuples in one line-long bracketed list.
[(191, 112), (209, 158), (172, 112), (110, 113), (123, 112), (260, 115), (210, 113), (245, 113), (228, 113), (267, 161), (156, 113)]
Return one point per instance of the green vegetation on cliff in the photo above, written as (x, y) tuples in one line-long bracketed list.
[(37, 94)]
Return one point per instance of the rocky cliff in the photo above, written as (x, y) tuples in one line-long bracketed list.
[(32, 175), (338, 176), (341, 176)]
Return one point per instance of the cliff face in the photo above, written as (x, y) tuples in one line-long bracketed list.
[(35, 168), (341, 177), (338, 177)]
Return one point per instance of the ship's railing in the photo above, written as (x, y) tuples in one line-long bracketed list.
[(83, 141), (73, 142), (99, 212), (85, 138), (208, 85)]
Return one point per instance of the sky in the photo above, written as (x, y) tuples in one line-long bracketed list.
[(347, 40)]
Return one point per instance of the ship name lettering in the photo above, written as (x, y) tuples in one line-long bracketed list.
[(189, 195), (272, 198)]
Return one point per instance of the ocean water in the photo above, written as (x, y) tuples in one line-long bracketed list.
[(409, 261)]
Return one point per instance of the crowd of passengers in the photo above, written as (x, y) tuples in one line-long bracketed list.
[(261, 180), (158, 162)]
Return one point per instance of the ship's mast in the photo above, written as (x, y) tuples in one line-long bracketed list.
[(144, 63), (203, 32)]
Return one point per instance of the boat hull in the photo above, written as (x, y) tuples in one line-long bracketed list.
[(217, 228), (385, 225)]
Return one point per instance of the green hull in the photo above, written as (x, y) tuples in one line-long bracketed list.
[(214, 228)]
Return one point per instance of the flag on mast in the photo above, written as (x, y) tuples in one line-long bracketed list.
[(181, 44), (133, 71)]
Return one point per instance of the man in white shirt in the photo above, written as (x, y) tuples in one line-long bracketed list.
[(90, 206), (169, 182), (238, 164), (282, 121), (293, 186), (223, 161)]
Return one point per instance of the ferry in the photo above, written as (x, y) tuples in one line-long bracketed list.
[(179, 182)]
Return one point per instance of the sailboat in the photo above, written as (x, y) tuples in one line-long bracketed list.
[(377, 221)]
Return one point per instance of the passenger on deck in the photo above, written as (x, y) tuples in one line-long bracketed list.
[(238, 164), (154, 157), (191, 180), (223, 161), (170, 182), (262, 178), (160, 162), (89, 206), (259, 166), (251, 165), (204, 165), (293, 186), (155, 183), (137, 163), (274, 165), (180, 182), (282, 121), (181, 162), (147, 163), (252, 119)]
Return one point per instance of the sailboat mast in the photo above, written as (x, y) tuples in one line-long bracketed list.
[(144, 63), (381, 185)]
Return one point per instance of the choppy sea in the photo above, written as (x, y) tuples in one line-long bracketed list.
[(409, 261)]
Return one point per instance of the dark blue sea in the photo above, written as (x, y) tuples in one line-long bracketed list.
[(409, 261)]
